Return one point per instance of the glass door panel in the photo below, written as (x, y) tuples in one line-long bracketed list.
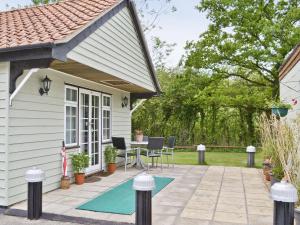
[(89, 127)]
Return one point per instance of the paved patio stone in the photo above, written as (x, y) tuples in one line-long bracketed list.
[(231, 217), (199, 195), (197, 214), (260, 220), (188, 221), (231, 208)]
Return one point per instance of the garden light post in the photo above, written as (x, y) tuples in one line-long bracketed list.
[(201, 154), (251, 156), (284, 195), (35, 178), (143, 185)]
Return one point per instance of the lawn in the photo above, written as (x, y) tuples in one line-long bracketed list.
[(217, 158)]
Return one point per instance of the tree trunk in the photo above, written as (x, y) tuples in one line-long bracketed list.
[(202, 128), (213, 124), (250, 126)]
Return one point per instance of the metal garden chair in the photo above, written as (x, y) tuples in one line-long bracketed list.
[(169, 149), (124, 152), (154, 150)]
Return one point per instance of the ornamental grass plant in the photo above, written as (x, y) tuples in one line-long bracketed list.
[(280, 140)]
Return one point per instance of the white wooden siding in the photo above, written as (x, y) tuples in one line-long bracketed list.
[(36, 129), (290, 89), (115, 49), (4, 104)]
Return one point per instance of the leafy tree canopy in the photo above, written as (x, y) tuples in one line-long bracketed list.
[(42, 2), (247, 39)]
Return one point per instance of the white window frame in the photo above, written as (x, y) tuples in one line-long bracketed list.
[(70, 104), (106, 108)]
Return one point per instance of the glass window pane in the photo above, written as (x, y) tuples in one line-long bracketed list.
[(73, 137), (71, 95), (73, 122), (68, 123), (68, 141), (74, 95), (68, 94), (68, 110), (106, 101), (74, 111)]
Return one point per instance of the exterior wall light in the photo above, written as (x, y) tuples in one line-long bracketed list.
[(46, 86), (124, 102)]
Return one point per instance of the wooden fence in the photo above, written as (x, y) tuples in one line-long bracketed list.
[(213, 146)]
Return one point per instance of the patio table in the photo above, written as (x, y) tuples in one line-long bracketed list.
[(139, 164)]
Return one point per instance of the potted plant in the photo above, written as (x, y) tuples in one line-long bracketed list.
[(280, 108), (139, 135), (80, 162), (110, 158), (277, 174), (267, 167)]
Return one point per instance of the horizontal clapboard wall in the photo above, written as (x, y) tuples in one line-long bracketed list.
[(115, 49), (36, 129), (289, 89), (4, 105)]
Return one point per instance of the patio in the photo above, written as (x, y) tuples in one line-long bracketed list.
[(199, 195)]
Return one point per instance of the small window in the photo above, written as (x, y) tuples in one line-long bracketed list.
[(106, 118), (71, 115)]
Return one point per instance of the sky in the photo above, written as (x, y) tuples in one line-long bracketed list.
[(186, 24)]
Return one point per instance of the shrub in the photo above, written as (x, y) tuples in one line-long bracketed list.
[(80, 162), (110, 154)]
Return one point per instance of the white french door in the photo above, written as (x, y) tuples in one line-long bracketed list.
[(89, 124)]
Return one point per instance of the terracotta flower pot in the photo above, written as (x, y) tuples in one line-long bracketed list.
[(111, 167), (65, 182), (139, 137), (268, 176), (79, 178)]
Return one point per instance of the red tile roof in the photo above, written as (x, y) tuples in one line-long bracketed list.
[(49, 23)]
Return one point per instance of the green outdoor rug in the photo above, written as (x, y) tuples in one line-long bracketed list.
[(121, 199)]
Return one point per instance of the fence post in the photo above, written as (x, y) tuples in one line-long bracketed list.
[(143, 184), (201, 154), (35, 178), (284, 195), (251, 156)]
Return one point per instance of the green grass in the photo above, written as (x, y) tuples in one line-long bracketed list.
[(217, 158)]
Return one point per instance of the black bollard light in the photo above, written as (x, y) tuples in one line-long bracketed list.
[(35, 178), (251, 156), (143, 185), (284, 195), (201, 154)]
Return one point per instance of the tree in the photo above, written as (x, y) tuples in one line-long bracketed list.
[(200, 108), (246, 39), (43, 2), (161, 51), (151, 10)]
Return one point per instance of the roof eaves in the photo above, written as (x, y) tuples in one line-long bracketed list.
[(140, 32), (289, 62)]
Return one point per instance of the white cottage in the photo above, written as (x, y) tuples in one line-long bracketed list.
[(95, 54), (289, 76)]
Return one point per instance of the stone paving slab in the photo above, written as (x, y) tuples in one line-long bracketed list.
[(225, 196), (199, 195)]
